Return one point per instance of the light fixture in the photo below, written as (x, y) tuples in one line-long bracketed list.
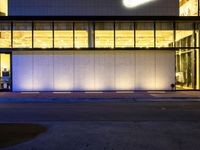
[(135, 3)]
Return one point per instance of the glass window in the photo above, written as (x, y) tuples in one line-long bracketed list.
[(197, 58), (188, 8), (3, 7), (43, 35), (5, 71), (184, 34), (144, 34), (164, 34), (198, 7), (5, 62), (185, 69), (81, 34), (22, 35), (197, 31), (63, 35), (124, 34), (5, 35), (104, 35)]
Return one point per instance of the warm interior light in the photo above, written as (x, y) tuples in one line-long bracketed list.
[(5, 38), (188, 7), (22, 39), (135, 3), (124, 38), (81, 39), (164, 38), (4, 7), (144, 41), (197, 64), (104, 38), (181, 34), (63, 39), (5, 62), (43, 39)]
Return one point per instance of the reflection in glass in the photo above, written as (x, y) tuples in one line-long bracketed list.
[(5, 35), (104, 35), (63, 35), (43, 35), (81, 34), (124, 34), (164, 34), (22, 35), (185, 69), (184, 35), (197, 33), (145, 34)]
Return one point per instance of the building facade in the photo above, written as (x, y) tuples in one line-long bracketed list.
[(99, 53), (92, 8)]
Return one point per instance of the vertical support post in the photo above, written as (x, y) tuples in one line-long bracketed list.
[(11, 73), (154, 27), (94, 39), (114, 27), (195, 55), (53, 34), (12, 34), (90, 35), (134, 34), (32, 34), (73, 34), (175, 50), (174, 29)]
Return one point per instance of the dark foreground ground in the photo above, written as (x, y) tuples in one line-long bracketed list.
[(111, 125), (13, 134)]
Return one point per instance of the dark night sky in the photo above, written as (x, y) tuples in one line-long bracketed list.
[(91, 8)]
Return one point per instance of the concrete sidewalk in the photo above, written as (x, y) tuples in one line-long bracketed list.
[(102, 96), (116, 136)]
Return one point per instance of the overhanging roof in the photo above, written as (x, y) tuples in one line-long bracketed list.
[(99, 18)]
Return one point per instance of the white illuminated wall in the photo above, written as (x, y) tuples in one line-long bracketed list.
[(93, 70)]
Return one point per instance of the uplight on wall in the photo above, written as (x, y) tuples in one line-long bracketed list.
[(135, 3)]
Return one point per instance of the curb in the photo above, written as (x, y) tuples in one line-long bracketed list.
[(131, 99)]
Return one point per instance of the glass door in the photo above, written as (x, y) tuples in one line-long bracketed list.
[(5, 72)]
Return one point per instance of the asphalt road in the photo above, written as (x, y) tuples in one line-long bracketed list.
[(100, 111), (121, 125)]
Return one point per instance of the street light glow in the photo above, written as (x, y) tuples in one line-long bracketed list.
[(135, 3)]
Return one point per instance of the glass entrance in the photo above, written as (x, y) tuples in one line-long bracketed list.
[(5, 72), (185, 69)]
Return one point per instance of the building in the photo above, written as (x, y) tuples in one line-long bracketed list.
[(88, 46)]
